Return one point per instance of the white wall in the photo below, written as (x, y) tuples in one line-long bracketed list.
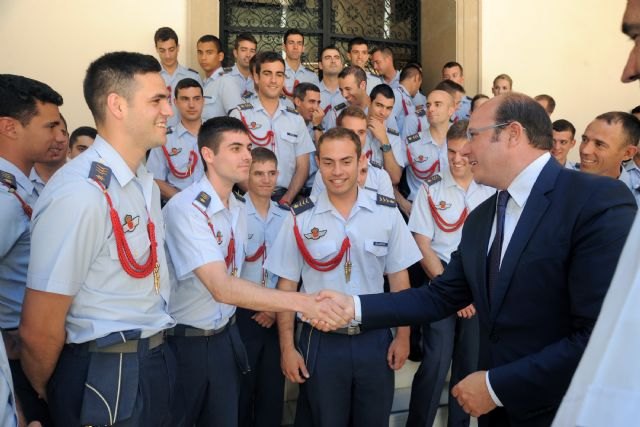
[(572, 50), (55, 40)]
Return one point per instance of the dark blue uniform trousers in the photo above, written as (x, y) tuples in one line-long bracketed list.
[(350, 381), (154, 374), (262, 389), (452, 341), (209, 371)]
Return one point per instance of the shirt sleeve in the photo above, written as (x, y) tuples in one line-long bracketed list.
[(403, 250), (157, 165), (189, 239), (13, 222), (421, 221), (305, 145), (285, 248)]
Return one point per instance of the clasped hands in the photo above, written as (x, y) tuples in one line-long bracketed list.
[(329, 310)]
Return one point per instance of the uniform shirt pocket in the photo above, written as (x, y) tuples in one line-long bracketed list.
[(322, 250), (378, 248), (289, 136), (139, 245)]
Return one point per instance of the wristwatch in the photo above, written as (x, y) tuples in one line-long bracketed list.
[(318, 128), (385, 148)]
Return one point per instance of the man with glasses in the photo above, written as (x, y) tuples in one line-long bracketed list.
[(536, 260)]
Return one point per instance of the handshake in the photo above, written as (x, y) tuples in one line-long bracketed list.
[(328, 310)]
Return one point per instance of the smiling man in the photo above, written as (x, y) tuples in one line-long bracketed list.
[(564, 139), (294, 72)]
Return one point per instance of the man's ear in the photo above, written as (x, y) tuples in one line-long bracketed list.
[(116, 105), (9, 127)]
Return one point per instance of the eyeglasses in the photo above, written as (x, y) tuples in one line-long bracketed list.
[(471, 133)]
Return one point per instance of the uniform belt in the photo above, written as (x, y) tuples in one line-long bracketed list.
[(189, 331), (129, 346), (349, 330)]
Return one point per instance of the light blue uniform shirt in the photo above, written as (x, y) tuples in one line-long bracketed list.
[(226, 93), (74, 250), (191, 244), (409, 118), (374, 153), (7, 396), (38, 183), (424, 153), (463, 112), (14, 244), (171, 80), (380, 243), (291, 134), (631, 176), (301, 75), (180, 144), (261, 230), (373, 81), (377, 182), (450, 200), (332, 103)]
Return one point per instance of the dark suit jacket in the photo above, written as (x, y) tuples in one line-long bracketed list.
[(553, 279)]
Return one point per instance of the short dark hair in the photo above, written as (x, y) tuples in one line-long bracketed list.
[(212, 130), (210, 38), (384, 90), (517, 107), (351, 111), (450, 87), (82, 131), (300, 91), (262, 154), (410, 70), (114, 72), (355, 71), (244, 37), (187, 82), (165, 33), (326, 48), (355, 41), (384, 50), (475, 99), (18, 96), (292, 32), (452, 64), (267, 58), (458, 130), (563, 125), (630, 125), (551, 103), (636, 109), (341, 133)]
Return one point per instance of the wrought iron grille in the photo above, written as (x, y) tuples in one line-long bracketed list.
[(392, 23)]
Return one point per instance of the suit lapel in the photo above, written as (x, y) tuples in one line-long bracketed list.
[(534, 209), (480, 255)]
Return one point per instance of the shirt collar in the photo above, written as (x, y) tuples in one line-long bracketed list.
[(34, 177), (323, 204), (21, 179), (216, 204), (274, 210), (521, 186), (109, 156)]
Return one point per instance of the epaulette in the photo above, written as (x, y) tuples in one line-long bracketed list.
[(284, 207), (413, 138), (8, 179), (204, 199), (169, 130), (433, 179), (100, 173), (393, 132), (246, 106), (421, 112), (375, 190), (192, 70), (340, 106), (246, 94), (227, 70), (301, 206), (292, 110), (385, 201), (239, 197), (375, 164)]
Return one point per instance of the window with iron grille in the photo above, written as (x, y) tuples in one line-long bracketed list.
[(391, 23)]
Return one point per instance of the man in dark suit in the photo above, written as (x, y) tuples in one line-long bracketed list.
[(538, 286)]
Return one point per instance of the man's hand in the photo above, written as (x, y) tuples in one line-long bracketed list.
[(293, 366), (345, 304), (473, 395), (468, 312), (326, 313), (378, 130), (398, 350), (317, 116), (266, 319)]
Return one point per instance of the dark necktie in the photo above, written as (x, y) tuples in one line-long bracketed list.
[(493, 259)]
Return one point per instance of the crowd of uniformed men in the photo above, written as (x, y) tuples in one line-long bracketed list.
[(270, 178)]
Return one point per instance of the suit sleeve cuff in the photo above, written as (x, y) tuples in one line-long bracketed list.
[(493, 395), (357, 309)]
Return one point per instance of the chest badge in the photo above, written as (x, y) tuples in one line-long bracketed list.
[(130, 223), (175, 151), (421, 159), (254, 125), (315, 234), (219, 237), (442, 205)]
